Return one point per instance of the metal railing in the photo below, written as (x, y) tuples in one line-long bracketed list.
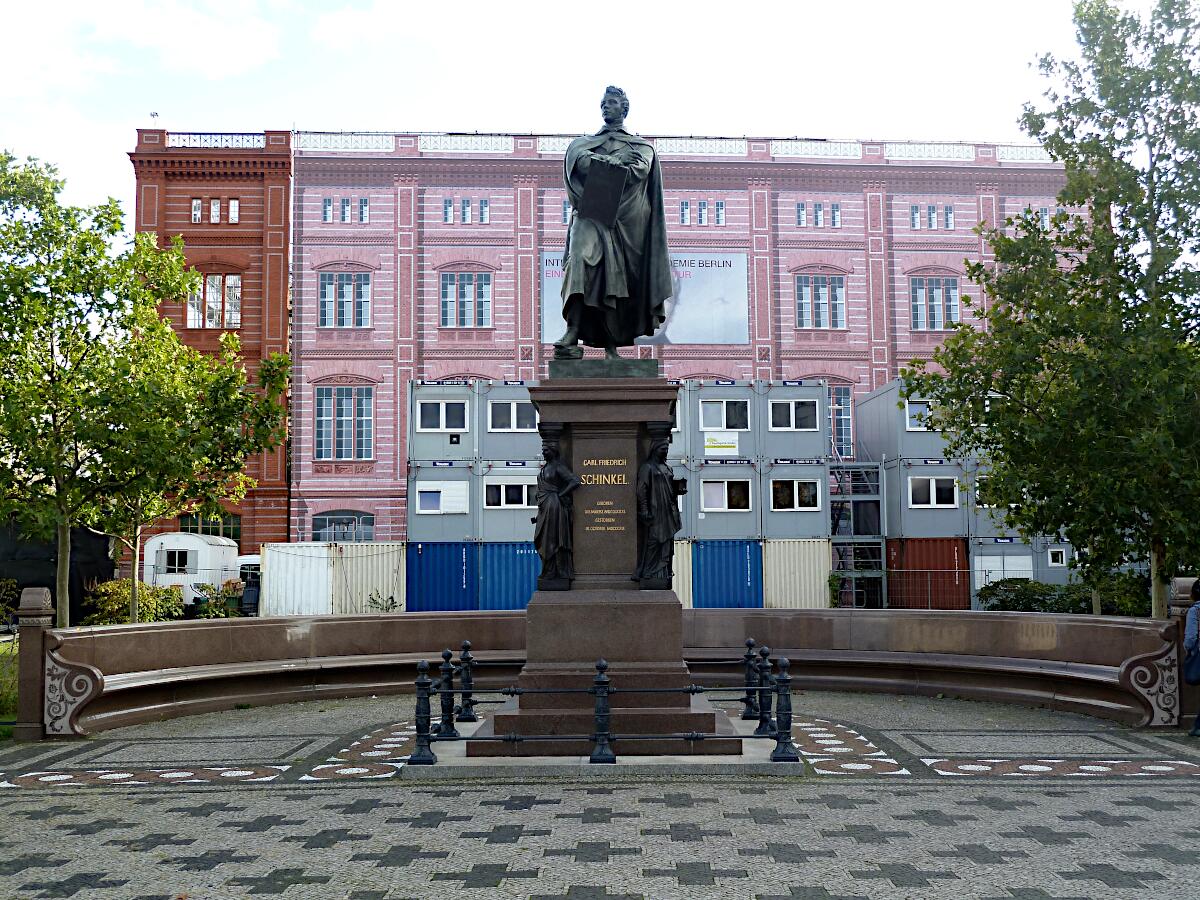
[(221, 141), (763, 689)]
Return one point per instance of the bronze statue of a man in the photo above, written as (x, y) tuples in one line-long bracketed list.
[(616, 269)]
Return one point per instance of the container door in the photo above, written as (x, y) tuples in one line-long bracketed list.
[(928, 573), (796, 574), (681, 565), (442, 576), (727, 574), (507, 575)]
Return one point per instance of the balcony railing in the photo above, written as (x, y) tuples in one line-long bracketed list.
[(217, 141)]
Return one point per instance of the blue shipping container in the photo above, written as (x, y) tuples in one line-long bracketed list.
[(507, 575), (727, 574), (442, 576)]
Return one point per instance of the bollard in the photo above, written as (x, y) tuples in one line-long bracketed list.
[(785, 750), (446, 727), (467, 682), (750, 712), (766, 726), (602, 752), (422, 755)]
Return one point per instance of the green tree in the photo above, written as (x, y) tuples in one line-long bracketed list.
[(1080, 392)]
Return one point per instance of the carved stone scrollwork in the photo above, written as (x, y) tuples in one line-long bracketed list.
[(69, 687), (1154, 678)]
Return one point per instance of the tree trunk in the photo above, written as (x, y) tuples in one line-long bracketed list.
[(1095, 601), (62, 580), (137, 574), (1158, 586)]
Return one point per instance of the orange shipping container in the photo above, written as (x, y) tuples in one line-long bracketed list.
[(928, 573)]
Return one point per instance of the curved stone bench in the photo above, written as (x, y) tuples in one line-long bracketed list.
[(104, 677)]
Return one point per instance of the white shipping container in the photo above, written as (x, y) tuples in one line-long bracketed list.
[(681, 564), (796, 574), (321, 579)]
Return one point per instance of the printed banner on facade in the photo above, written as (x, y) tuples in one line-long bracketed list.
[(710, 304), (720, 443)]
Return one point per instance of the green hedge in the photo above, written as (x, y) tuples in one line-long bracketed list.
[(109, 603), (1121, 594)]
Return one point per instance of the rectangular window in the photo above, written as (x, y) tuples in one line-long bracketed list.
[(511, 415), (724, 415), (566, 212), (948, 216), (725, 496), (448, 210), (466, 211), (343, 526), (175, 562), (818, 215), (685, 213), (795, 494), (442, 415), (926, 492), (914, 216), (327, 209), (835, 215), (702, 212), (345, 299), (934, 303), (916, 414), (362, 300), (217, 304), (345, 209), (227, 525), (441, 498), (197, 210), (1044, 217), (485, 212), (793, 415), (505, 495), (931, 218), (233, 301), (235, 211), (364, 210), (1056, 557), (325, 300), (841, 419), (214, 211), (820, 301), (466, 300), (801, 215), (720, 212), (344, 419)]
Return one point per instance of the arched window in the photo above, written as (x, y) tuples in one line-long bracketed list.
[(465, 295), (343, 296), (820, 296), (345, 525)]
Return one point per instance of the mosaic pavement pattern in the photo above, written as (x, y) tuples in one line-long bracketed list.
[(929, 801)]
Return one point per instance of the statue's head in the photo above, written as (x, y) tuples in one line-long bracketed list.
[(615, 105), (658, 449), (549, 451)]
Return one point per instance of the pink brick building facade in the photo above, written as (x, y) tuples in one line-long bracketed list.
[(424, 257)]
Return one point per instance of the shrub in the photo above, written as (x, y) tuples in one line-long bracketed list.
[(1121, 594), (219, 602), (110, 602), (10, 599)]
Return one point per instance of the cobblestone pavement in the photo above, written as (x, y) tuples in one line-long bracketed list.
[(900, 798)]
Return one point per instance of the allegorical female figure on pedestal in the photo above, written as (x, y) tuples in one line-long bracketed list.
[(552, 524), (658, 517)]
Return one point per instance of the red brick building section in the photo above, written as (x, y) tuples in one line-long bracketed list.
[(228, 196)]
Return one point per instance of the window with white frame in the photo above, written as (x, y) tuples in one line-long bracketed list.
[(841, 417), (835, 215), (948, 216), (175, 562), (511, 415), (914, 216), (1044, 218), (197, 210), (724, 415), (344, 422), (566, 211), (443, 498), (485, 212), (1056, 557), (466, 300), (235, 211), (217, 303), (818, 215), (327, 209), (793, 415), (916, 414), (343, 300), (932, 492), (442, 415), (343, 526), (795, 494), (214, 211), (448, 210), (802, 215), (720, 211), (344, 206), (505, 494), (702, 212), (725, 495), (465, 209), (364, 210), (931, 216), (820, 301), (685, 213), (934, 302)]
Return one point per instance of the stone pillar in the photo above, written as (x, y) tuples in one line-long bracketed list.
[(35, 615), (881, 337)]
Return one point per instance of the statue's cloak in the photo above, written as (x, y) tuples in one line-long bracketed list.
[(622, 274)]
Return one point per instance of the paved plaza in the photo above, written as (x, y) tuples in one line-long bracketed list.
[(897, 798)]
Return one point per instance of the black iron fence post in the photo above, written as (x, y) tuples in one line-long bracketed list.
[(601, 751), (422, 755), (750, 712), (467, 683), (766, 726), (785, 750), (446, 727)]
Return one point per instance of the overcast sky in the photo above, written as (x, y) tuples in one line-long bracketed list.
[(82, 76)]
